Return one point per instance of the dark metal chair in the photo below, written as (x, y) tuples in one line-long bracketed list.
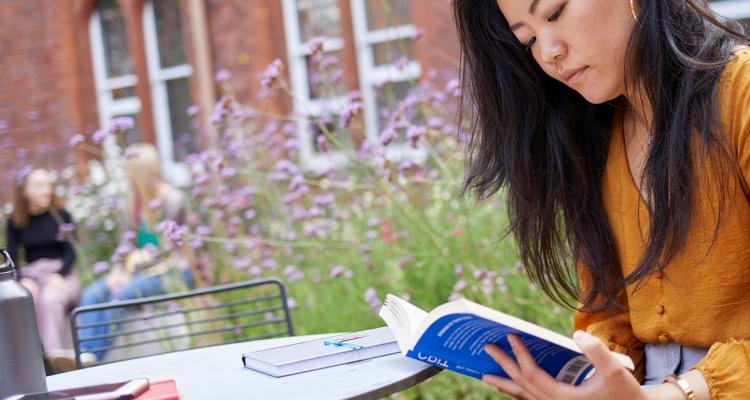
[(236, 312)]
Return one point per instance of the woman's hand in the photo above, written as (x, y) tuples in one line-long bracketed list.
[(611, 381)]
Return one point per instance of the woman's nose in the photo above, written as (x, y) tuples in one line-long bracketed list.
[(552, 50)]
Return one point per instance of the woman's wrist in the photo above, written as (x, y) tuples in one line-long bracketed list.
[(668, 391), (665, 391)]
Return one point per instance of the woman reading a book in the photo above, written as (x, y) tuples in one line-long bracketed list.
[(621, 132)]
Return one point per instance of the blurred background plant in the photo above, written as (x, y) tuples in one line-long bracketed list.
[(387, 217)]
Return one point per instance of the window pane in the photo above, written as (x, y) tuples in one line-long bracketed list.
[(183, 139), (319, 18), (169, 33), (121, 93), (116, 52), (387, 13), (388, 52)]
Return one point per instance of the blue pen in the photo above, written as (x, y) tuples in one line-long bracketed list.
[(343, 344)]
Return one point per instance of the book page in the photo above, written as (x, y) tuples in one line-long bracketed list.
[(403, 318)]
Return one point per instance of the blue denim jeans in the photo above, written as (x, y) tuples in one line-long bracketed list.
[(140, 285)]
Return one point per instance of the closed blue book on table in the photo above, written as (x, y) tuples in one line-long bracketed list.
[(321, 353), (453, 335)]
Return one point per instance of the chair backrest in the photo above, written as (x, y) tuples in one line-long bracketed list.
[(236, 312)]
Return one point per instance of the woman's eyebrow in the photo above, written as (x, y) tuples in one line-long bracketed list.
[(532, 10), (532, 7)]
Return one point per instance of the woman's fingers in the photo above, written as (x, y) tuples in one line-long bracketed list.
[(533, 380), (599, 355), (505, 361), (508, 387), (538, 380)]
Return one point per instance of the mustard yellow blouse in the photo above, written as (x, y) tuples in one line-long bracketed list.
[(703, 297)]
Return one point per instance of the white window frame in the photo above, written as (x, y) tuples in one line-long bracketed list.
[(107, 106), (297, 51), (372, 76), (174, 171), (737, 9)]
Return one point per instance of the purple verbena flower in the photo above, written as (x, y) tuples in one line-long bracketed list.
[(121, 251), (372, 299), (99, 135), (414, 134), (297, 181), (294, 195), (315, 212), (242, 262), (155, 204), (271, 74), (121, 124), (336, 271), (286, 166), (350, 111), (323, 199), (171, 230), (223, 76), (291, 303), (76, 139), (100, 267), (193, 110), (387, 136), (173, 307), (269, 263), (228, 172), (128, 236), (250, 214), (321, 143), (401, 63), (316, 45)]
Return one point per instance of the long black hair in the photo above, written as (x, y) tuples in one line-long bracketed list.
[(547, 146)]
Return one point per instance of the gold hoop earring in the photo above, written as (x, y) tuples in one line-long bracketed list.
[(632, 10)]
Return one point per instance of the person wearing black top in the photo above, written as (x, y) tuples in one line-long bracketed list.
[(40, 228)]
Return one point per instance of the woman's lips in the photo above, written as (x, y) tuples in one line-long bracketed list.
[(573, 76)]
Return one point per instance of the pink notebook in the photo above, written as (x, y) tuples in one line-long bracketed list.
[(161, 390)]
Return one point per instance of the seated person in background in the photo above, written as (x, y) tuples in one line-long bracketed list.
[(41, 227), (151, 200)]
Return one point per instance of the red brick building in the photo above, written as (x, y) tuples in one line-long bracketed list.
[(70, 66)]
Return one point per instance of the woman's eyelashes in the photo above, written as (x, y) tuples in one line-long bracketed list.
[(552, 18), (530, 43)]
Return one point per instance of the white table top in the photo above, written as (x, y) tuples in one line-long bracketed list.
[(217, 373)]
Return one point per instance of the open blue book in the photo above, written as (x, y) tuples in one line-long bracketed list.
[(453, 335)]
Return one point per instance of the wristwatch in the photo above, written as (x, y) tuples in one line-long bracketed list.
[(682, 383)]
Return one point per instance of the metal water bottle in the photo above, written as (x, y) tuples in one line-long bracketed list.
[(21, 358)]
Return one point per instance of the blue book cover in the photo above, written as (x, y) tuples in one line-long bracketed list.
[(453, 336)]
